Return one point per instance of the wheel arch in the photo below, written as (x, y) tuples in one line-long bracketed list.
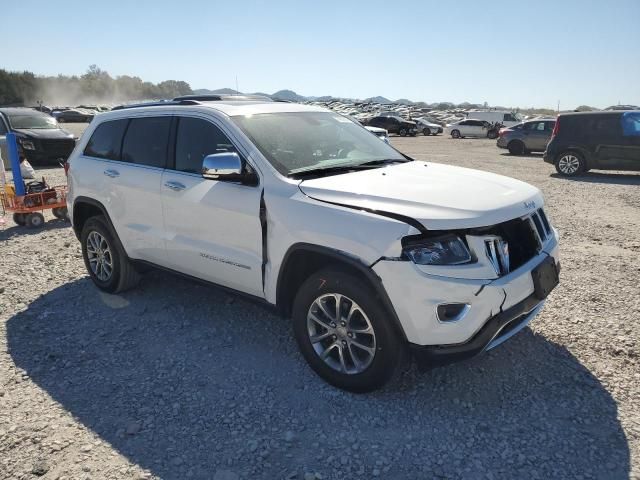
[(304, 259), (83, 209)]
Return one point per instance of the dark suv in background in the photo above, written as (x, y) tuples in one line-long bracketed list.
[(530, 136), (608, 140), (394, 125)]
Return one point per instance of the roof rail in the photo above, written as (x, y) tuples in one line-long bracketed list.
[(217, 98), (195, 100), (156, 104)]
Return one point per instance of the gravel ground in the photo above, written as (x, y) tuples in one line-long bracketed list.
[(177, 380)]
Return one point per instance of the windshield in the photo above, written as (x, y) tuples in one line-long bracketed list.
[(32, 121), (306, 141)]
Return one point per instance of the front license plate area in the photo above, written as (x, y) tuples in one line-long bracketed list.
[(545, 278)]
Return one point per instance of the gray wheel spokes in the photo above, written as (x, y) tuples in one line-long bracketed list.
[(569, 164), (99, 256), (341, 334)]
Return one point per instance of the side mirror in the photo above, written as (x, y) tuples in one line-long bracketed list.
[(222, 166)]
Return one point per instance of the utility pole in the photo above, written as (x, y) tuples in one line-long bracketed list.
[(558, 111)]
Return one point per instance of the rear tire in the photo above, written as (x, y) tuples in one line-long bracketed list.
[(402, 132), (426, 132), (455, 134), (61, 213), (516, 147), (105, 258), (570, 164), (360, 320), (34, 220)]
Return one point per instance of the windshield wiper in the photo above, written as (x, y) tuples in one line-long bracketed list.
[(329, 170), (387, 161)]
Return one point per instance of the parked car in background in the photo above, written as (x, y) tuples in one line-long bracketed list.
[(427, 128), (531, 136), (396, 125), (39, 136), (468, 128), (381, 133), (607, 140), (73, 115), (508, 119)]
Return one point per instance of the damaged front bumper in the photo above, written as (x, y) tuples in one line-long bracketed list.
[(495, 310)]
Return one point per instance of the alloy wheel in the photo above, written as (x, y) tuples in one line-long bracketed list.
[(569, 164), (99, 256), (341, 334)]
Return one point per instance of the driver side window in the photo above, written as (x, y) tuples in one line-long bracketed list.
[(196, 138)]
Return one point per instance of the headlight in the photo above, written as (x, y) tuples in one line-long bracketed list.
[(446, 250), (27, 145)]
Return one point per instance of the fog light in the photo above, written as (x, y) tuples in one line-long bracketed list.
[(452, 312)]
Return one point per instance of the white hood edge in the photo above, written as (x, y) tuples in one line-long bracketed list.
[(438, 196)]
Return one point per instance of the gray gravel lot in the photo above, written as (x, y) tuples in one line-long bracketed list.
[(178, 380)]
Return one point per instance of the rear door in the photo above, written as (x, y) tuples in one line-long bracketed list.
[(212, 228), (535, 135), (126, 158), (610, 149)]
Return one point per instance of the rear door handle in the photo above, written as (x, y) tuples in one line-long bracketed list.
[(111, 173), (175, 186)]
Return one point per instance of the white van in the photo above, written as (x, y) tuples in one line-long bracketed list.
[(508, 119)]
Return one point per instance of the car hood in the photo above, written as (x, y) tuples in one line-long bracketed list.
[(44, 133), (440, 197)]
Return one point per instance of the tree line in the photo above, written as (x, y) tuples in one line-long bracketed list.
[(96, 86)]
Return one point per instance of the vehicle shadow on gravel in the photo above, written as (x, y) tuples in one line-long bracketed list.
[(14, 230), (186, 380), (523, 155), (596, 177)]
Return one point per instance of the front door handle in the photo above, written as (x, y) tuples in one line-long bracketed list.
[(111, 173), (175, 186)]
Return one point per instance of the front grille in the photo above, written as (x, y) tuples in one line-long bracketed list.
[(511, 244), (540, 226), (57, 148)]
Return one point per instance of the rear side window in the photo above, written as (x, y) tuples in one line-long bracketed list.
[(631, 124), (146, 141), (195, 140), (608, 125), (106, 140), (509, 118)]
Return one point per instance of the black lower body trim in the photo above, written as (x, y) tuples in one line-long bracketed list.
[(436, 355)]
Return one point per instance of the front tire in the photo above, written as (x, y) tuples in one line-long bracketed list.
[(344, 333), (105, 258), (402, 132), (570, 164)]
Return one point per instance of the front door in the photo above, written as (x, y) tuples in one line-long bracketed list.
[(212, 228)]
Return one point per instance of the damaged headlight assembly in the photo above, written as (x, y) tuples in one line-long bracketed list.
[(443, 250)]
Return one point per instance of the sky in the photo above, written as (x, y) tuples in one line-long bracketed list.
[(517, 53)]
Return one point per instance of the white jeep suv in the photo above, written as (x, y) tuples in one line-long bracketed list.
[(371, 253)]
